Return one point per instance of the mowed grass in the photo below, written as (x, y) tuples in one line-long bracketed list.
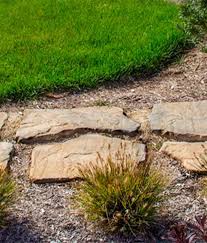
[(67, 44)]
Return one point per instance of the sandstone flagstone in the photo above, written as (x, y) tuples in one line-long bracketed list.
[(52, 123), (193, 156), (142, 117), (5, 152), (60, 162), (3, 118), (187, 120), (11, 125)]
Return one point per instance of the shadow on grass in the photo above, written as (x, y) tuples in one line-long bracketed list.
[(120, 79), (143, 74), (20, 231), (133, 76)]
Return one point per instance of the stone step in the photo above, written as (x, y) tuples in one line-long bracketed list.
[(193, 156), (5, 152), (43, 125), (60, 162), (184, 120)]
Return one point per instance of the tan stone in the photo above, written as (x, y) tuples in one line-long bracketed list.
[(5, 151), (49, 124), (60, 162), (185, 120), (193, 156), (142, 117), (11, 125), (3, 118)]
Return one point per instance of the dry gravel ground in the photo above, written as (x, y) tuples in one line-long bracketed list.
[(42, 213)]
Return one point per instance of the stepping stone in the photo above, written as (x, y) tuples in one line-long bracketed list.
[(60, 162), (44, 125), (193, 156), (5, 152), (3, 118), (142, 117), (185, 120)]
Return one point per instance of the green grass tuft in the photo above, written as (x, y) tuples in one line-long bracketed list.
[(121, 194), (7, 187), (67, 44)]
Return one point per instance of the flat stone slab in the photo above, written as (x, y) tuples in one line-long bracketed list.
[(61, 162), (3, 118), (40, 125), (193, 156), (141, 116), (5, 152), (185, 120)]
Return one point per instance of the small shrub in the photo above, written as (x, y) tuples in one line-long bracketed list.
[(200, 228), (178, 233), (121, 193), (194, 15), (188, 232), (204, 49), (6, 193)]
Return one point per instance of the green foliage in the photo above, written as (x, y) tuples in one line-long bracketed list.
[(6, 193), (204, 49), (194, 15), (123, 194), (48, 45)]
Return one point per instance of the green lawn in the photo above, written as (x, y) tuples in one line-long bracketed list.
[(48, 45)]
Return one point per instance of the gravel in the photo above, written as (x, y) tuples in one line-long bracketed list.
[(43, 213)]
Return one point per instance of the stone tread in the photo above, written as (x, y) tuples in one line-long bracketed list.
[(184, 120), (60, 162), (43, 125), (193, 156)]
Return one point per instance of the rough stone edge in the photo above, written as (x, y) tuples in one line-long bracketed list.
[(69, 134), (162, 150), (11, 125), (173, 135), (65, 180), (5, 165), (5, 114)]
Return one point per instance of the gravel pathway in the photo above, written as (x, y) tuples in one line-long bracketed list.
[(43, 213)]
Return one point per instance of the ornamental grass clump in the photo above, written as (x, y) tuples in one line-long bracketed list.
[(6, 193), (120, 193)]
